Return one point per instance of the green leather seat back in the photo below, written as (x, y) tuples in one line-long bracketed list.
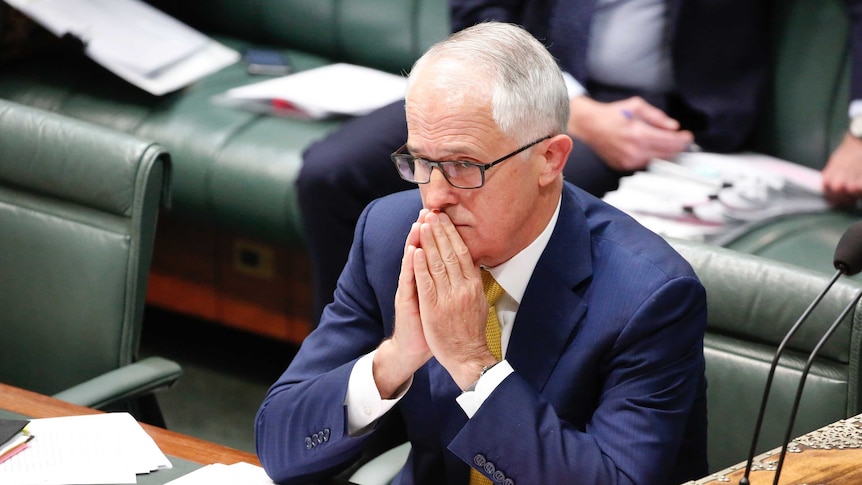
[(752, 303), (78, 208), (806, 111), (386, 34)]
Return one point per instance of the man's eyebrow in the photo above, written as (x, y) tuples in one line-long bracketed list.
[(453, 153)]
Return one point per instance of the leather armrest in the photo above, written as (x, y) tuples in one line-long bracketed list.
[(139, 378)]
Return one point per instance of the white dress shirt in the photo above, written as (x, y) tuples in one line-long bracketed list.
[(628, 47)]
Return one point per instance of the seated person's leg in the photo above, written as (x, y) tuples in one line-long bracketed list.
[(340, 175)]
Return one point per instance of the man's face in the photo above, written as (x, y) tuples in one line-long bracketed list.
[(493, 220)]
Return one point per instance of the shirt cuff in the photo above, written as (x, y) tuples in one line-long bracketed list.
[(363, 402), (855, 108), (470, 401), (574, 88)]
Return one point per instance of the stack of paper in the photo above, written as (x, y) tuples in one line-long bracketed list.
[(14, 437), (109, 448), (133, 40), (332, 90), (706, 196)]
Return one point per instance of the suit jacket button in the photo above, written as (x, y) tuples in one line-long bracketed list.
[(479, 460), (508, 481), (489, 468), (326, 434), (499, 476), (308, 443)]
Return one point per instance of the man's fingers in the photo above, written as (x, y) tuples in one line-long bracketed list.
[(639, 109), (460, 253)]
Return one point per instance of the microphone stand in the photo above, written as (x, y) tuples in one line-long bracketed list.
[(808, 364), (744, 480)]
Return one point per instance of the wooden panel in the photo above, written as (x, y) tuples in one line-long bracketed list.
[(232, 280), (835, 467), (828, 455)]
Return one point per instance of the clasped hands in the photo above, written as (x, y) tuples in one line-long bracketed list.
[(440, 309)]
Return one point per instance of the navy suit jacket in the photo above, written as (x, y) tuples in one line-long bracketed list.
[(607, 348), (719, 50)]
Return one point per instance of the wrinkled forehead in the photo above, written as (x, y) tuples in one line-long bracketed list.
[(440, 125), (444, 103)]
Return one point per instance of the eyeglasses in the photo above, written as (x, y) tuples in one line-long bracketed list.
[(459, 174)]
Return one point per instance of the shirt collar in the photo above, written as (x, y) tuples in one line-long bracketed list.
[(515, 274)]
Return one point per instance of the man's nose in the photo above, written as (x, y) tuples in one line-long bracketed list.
[(438, 192)]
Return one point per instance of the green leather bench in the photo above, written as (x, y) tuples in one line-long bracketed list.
[(232, 249), (234, 168)]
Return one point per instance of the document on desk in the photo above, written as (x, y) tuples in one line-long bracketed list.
[(221, 474), (109, 448), (134, 40), (333, 90), (710, 197)]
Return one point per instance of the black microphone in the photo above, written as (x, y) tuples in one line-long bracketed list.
[(847, 260), (848, 256)]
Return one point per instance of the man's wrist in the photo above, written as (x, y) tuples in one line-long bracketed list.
[(484, 370), (391, 373)]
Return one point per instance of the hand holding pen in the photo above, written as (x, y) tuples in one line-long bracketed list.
[(627, 134)]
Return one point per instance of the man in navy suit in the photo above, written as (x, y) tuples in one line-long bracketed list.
[(600, 378), (647, 78)]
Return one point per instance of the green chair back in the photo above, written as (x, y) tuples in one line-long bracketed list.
[(78, 210), (752, 303)]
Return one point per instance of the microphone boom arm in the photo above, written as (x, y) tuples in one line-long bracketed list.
[(771, 374), (807, 368)]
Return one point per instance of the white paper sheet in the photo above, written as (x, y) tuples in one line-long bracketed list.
[(707, 196), (134, 40), (335, 89), (109, 448)]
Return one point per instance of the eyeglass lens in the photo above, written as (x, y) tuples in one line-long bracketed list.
[(459, 174)]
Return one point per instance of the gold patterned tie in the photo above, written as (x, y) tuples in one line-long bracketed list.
[(493, 292)]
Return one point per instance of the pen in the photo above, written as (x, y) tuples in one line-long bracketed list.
[(691, 147)]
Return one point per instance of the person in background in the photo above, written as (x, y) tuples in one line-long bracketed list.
[(646, 78), (527, 331), (842, 175)]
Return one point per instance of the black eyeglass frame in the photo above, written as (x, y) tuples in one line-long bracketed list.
[(432, 163)]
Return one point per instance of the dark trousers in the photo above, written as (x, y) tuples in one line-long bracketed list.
[(349, 168)]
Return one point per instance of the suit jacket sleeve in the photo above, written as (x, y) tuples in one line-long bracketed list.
[(301, 427)]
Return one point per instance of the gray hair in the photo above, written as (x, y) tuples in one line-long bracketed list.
[(528, 95)]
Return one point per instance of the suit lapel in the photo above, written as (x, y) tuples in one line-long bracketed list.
[(551, 307)]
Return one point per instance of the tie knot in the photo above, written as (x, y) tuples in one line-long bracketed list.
[(493, 290)]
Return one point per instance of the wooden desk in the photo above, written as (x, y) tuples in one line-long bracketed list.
[(36, 405), (173, 444), (829, 455)]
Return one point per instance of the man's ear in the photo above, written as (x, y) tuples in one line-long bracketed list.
[(556, 154)]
